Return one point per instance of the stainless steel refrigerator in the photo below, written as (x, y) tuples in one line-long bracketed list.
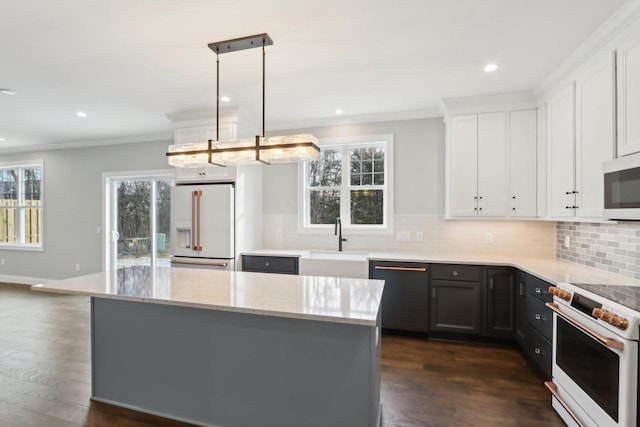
[(202, 226)]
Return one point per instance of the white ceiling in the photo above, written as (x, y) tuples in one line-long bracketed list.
[(127, 63)]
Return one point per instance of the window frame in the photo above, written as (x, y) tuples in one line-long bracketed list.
[(21, 166), (345, 144)]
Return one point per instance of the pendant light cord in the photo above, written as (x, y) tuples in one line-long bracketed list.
[(263, 83), (217, 97)]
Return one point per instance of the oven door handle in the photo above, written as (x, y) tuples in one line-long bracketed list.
[(609, 342), (554, 390)]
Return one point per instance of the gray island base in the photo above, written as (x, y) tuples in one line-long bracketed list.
[(235, 368)]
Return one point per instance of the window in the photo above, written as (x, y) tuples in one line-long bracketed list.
[(351, 181), (21, 205)]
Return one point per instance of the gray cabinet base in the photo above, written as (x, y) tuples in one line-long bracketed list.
[(234, 369)]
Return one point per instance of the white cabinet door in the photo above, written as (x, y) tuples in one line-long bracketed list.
[(595, 97), (560, 154), (523, 163), (492, 164), (463, 165), (628, 81)]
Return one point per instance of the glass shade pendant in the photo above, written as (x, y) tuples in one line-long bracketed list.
[(261, 149)]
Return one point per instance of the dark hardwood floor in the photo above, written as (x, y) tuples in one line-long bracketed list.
[(45, 375)]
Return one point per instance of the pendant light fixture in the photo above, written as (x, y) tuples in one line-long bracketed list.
[(262, 149)]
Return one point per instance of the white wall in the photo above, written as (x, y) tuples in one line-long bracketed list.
[(73, 206)]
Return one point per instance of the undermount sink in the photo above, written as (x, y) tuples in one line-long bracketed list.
[(356, 256), (334, 264)]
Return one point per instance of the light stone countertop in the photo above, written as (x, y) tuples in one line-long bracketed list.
[(329, 299), (549, 269)]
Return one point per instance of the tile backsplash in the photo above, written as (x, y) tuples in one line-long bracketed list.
[(525, 238), (611, 247)]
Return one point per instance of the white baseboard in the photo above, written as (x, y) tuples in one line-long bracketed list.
[(23, 280)]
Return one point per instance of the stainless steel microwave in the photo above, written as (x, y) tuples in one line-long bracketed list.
[(622, 188)]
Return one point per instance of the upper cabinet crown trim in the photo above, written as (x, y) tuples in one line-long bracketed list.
[(487, 103), (602, 39)]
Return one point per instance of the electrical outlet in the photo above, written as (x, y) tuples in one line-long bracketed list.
[(279, 234), (567, 241), (404, 236), (488, 237), (419, 236), (98, 230), (77, 267), (2, 261)]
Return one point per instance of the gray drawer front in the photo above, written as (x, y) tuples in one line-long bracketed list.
[(539, 288), (540, 317), (270, 264), (470, 273), (539, 350)]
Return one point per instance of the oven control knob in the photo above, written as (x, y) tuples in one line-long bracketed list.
[(564, 295), (597, 312), (619, 322), (606, 316), (553, 290)]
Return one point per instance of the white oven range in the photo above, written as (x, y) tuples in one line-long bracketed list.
[(595, 354)]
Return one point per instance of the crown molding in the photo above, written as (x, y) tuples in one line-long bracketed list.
[(487, 103), (601, 38), (87, 144), (426, 113)]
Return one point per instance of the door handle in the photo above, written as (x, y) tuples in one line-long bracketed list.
[(199, 201), (609, 342), (194, 243)]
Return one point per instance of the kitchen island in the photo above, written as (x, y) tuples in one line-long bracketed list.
[(229, 348)]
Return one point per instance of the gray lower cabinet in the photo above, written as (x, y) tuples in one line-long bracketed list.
[(405, 299), (270, 264), (538, 334), (521, 308), (501, 294), (455, 301)]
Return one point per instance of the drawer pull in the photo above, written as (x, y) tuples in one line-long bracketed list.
[(266, 264), (455, 273), (538, 291), (382, 267), (538, 317), (537, 351)]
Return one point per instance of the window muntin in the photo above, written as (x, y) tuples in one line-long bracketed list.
[(349, 181), (21, 206)]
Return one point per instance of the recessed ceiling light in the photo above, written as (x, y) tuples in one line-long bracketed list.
[(225, 99), (81, 114), (490, 67), (7, 92), (339, 111)]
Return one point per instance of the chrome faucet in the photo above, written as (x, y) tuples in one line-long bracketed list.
[(338, 232)]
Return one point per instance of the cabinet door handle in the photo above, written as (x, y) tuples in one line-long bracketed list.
[(382, 267), (491, 283), (538, 291), (433, 293), (538, 317), (521, 289)]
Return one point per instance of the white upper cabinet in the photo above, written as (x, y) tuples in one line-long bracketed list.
[(493, 167), (477, 164), (522, 164), (595, 133), (463, 165), (628, 80), (577, 148), (560, 154)]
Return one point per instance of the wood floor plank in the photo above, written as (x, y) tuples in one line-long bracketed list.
[(45, 377)]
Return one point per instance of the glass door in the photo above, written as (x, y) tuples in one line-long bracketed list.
[(138, 221)]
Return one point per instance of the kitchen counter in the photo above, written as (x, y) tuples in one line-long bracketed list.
[(549, 269), (328, 299), (224, 348)]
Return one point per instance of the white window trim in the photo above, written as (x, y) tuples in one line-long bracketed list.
[(352, 229), (28, 246)]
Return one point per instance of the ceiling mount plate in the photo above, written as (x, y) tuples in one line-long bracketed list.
[(242, 43)]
